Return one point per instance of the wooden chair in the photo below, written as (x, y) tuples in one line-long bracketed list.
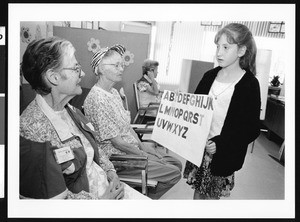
[(78, 100)]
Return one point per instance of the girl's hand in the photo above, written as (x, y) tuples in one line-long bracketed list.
[(210, 147)]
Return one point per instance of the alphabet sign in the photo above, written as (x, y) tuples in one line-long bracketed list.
[(183, 123)]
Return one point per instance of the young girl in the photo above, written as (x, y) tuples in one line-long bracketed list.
[(235, 123)]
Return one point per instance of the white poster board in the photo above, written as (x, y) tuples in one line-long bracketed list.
[(183, 123)]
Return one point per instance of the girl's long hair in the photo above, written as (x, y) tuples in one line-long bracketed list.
[(240, 34)]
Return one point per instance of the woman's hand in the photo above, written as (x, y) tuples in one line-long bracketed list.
[(210, 147), (156, 154), (114, 179), (113, 194), (157, 158), (153, 155)]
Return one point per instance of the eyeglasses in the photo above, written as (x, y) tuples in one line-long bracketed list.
[(77, 69), (117, 65)]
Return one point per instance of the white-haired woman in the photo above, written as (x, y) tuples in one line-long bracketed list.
[(103, 107)]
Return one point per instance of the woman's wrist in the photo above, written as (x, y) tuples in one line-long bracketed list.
[(143, 153), (140, 146)]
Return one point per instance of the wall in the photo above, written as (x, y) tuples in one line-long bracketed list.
[(197, 71), (185, 75), (263, 64), (136, 43), (192, 73)]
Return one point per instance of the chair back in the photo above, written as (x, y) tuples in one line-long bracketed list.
[(27, 94), (124, 98), (136, 95), (78, 100)]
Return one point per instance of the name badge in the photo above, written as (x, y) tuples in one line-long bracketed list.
[(63, 154)]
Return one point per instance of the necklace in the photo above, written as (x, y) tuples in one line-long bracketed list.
[(216, 95)]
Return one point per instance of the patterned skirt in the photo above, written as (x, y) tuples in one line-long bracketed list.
[(201, 179)]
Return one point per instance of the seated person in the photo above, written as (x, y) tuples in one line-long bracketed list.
[(58, 154), (147, 86), (103, 107)]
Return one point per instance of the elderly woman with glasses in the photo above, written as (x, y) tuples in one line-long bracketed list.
[(59, 157), (104, 108)]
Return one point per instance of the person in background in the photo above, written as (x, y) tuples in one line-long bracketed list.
[(236, 101), (58, 154), (103, 107), (147, 86)]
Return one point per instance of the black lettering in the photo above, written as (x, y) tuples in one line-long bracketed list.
[(190, 117), (199, 101), (180, 129), (180, 113), (175, 127), (164, 123), (206, 103), (185, 116), (192, 100), (172, 96), (176, 113), (160, 108), (158, 122), (179, 98), (169, 127), (187, 98), (185, 131), (210, 105), (201, 117), (166, 97), (195, 121), (167, 110), (184, 99)]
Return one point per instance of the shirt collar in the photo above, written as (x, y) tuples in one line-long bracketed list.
[(59, 125)]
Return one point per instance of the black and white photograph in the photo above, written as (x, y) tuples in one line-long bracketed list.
[(150, 111)]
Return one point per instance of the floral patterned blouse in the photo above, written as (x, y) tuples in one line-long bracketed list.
[(106, 112), (40, 123)]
